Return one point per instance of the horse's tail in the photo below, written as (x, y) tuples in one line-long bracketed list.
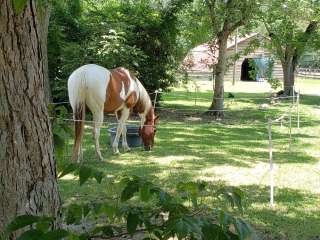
[(76, 92)]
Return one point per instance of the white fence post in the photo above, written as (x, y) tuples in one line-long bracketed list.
[(298, 109), (196, 93), (290, 128), (293, 95), (271, 163), (155, 99)]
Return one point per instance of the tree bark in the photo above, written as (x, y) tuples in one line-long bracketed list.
[(217, 105), (289, 68), (44, 17), (28, 183)]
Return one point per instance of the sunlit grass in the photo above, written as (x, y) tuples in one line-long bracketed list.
[(190, 146)]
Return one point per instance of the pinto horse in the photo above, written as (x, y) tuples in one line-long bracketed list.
[(117, 91)]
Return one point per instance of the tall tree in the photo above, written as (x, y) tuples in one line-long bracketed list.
[(226, 16), (292, 25), (28, 182)]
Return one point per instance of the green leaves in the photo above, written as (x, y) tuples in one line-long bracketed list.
[(21, 222), (213, 231), (55, 235), (109, 210), (145, 193), (242, 229), (75, 213), (71, 167), (132, 186), (184, 226), (137, 184), (167, 216), (19, 5), (233, 195), (60, 128), (98, 175), (106, 230), (32, 234), (133, 220), (40, 232), (191, 190), (84, 174), (83, 171), (139, 35)]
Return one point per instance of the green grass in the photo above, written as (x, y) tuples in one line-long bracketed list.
[(190, 146)]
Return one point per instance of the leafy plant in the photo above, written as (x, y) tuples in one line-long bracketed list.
[(85, 172), (162, 215), (35, 228), (60, 128)]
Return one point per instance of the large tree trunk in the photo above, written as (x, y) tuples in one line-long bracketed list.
[(217, 105), (289, 68), (44, 19), (28, 182)]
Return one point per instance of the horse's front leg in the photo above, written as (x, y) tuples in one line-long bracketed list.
[(121, 129), (116, 138), (124, 138)]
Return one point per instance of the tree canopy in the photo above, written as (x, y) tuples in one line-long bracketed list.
[(292, 27)]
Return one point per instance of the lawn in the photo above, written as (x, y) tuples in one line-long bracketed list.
[(190, 146)]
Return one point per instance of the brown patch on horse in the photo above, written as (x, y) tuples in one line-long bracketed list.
[(139, 107), (131, 100), (120, 75), (118, 79), (118, 114)]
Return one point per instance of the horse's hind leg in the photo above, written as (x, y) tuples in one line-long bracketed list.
[(98, 119)]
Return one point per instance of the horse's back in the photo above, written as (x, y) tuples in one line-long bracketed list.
[(88, 84)]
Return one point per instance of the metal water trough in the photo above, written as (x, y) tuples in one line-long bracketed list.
[(133, 138)]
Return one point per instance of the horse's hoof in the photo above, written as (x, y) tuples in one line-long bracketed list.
[(126, 149), (116, 151), (100, 158)]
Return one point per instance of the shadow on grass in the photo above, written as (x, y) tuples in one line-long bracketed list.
[(310, 100), (294, 216), (209, 145)]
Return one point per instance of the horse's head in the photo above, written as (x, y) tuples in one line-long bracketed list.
[(148, 131)]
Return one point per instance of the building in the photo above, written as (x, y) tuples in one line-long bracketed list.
[(250, 66)]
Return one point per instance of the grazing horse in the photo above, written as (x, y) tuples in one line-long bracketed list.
[(117, 91)]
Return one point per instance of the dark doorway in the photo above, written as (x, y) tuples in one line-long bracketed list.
[(246, 68)]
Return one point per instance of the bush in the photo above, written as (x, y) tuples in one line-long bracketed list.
[(143, 207)]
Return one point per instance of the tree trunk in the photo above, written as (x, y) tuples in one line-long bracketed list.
[(217, 105), (289, 67), (28, 183), (44, 17)]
